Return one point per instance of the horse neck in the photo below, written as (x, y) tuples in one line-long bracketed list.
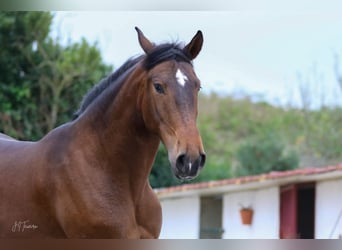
[(123, 142)]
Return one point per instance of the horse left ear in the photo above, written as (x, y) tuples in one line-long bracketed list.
[(145, 44), (195, 46)]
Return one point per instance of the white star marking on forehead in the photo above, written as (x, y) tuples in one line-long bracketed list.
[(181, 78)]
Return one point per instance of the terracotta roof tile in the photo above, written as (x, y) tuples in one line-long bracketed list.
[(248, 179)]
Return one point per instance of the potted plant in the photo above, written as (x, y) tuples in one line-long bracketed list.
[(246, 214)]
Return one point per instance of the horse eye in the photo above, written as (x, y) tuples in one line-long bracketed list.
[(159, 88)]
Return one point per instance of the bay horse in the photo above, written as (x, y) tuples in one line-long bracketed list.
[(88, 178)]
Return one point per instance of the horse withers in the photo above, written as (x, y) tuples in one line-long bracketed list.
[(89, 177)]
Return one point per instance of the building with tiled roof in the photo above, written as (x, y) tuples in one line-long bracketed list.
[(301, 203)]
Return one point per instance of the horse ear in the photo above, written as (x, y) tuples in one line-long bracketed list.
[(195, 46), (145, 44)]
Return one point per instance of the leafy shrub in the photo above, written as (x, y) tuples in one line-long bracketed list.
[(264, 154)]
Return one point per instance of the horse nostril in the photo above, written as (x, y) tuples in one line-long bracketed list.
[(187, 168), (180, 162), (202, 159)]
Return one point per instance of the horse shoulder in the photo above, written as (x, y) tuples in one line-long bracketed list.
[(149, 214)]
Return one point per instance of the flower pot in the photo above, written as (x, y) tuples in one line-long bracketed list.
[(246, 216)]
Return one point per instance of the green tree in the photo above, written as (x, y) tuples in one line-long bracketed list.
[(63, 75), (264, 154), (19, 33), (41, 81)]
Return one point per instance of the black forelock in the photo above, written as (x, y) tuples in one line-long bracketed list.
[(166, 52)]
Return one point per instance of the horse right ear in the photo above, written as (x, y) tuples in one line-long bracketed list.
[(145, 44)]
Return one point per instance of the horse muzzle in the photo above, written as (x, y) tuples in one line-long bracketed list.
[(187, 167)]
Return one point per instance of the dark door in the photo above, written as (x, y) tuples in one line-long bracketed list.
[(297, 211), (306, 211)]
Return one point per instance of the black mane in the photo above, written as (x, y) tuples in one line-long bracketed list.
[(97, 89), (161, 53)]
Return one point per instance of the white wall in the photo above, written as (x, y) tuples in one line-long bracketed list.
[(265, 224), (328, 208), (180, 218)]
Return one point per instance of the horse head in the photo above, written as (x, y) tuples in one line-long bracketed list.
[(170, 100)]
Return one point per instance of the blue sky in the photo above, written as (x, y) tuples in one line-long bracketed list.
[(260, 53)]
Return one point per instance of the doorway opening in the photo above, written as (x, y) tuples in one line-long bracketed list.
[(211, 218), (297, 211)]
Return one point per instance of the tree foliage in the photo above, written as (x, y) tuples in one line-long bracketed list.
[(264, 154), (18, 32), (41, 81)]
